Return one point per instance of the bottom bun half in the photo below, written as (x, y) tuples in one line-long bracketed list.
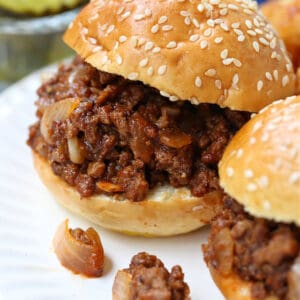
[(166, 210), (233, 287)]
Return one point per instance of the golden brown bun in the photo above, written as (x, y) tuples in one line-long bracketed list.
[(166, 211), (261, 165), (232, 287), (221, 52), (284, 15)]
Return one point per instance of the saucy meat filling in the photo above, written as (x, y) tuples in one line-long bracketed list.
[(124, 137), (257, 250)]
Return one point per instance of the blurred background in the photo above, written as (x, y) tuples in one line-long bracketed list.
[(31, 35)]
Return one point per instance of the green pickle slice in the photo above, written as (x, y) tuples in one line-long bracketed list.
[(37, 7)]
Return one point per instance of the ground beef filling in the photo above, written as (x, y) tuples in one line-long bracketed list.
[(151, 280), (257, 250), (131, 137)]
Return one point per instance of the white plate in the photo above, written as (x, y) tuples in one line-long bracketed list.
[(29, 217)]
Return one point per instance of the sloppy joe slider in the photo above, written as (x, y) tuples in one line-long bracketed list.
[(130, 133), (254, 245)]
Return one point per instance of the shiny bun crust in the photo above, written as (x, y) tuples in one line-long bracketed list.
[(284, 15), (166, 211), (217, 51), (261, 165)]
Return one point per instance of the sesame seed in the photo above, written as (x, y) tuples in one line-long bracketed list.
[(125, 15), (263, 41), (120, 10), (85, 31), (156, 50), (275, 74), (210, 22), (214, 2), (273, 43), (256, 22), (150, 71), (252, 140), (264, 137), (173, 98), (198, 81), (149, 46), (251, 187), (148, 12), (248, 173), (134, 41), (203, 44), (187, 21), (259, 31), (110, 29), (224, 26), (235, 25), (162, 19), (167, 27), (207, 32), (211, 72), (227, 61), (139, 17), (200, 7), (122, 38), (294, 178), (248, 11), (239, 153), (96, 49), (269, 76), (285, 80), (218, 40), (274, 54), (232, 6), (230, 172), (171, 45), (248, 24), (165, 94), (93, 41), (266, 205), (259, 85), (194, 37), (119, 60), (257, 126), (241, 38), (256, 46), (289, 67), (263, 181), (237, 62), (235, 79), (144, 62), (162, 70), (184, 13), (224, 54), (196, 23), (218, 84), (223, 12), (251, 32), (155, 28), (133, 76)]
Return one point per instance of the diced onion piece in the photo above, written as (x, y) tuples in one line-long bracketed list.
[(175, 138), (122, 286), (223, 248), (109, 187), (58, 111), (75, 152), (293, 281), (79, 251)]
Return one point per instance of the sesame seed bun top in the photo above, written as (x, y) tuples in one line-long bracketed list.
[(216, 51), (261, 165)]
